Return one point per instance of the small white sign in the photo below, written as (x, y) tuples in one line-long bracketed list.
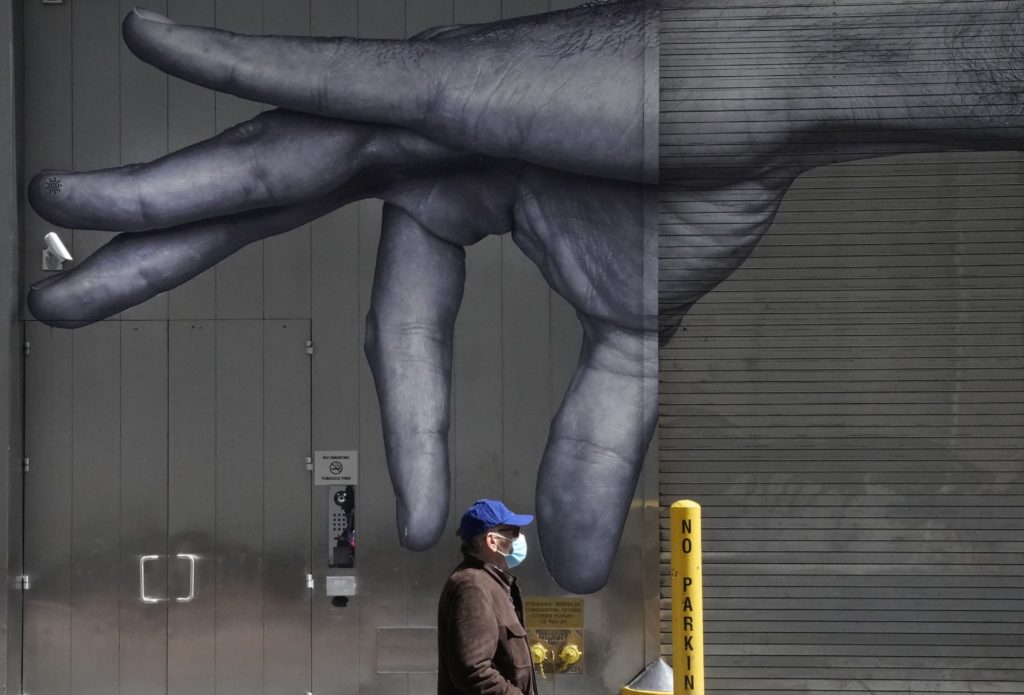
[(341, 585), (336, 468)]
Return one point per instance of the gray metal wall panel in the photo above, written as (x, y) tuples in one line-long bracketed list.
[(286, 258), (191, 117), (427, 14), (383, 565), (336, 361), (95, 507), (240, 495), (526, 378), (192, 496), (477, 378), (520, 8), (428, 571), (566, 341), (651, 557), (476, 11), (239, 279), (382, 20), (329, 18), (143, 501), (287, 629), (526, 372), (144, 133), (96, 98), (11, 339), (286, 274), (48, 506), (622, 612), (477, 365), (846, 408), (336, 396), (526, 339), (47, 100)]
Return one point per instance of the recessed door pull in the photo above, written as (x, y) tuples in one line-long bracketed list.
[(142, 579), (191, 577)]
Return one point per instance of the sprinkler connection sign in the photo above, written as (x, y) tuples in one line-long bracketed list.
[(554, 628)]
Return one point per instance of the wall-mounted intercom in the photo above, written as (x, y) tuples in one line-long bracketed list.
[(337, 472), (341, 526)]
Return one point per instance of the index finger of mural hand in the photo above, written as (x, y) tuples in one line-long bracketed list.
[(594, 455), (278, 158), (132, 268)]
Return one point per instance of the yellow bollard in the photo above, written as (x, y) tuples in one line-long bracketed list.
[(687, 598)]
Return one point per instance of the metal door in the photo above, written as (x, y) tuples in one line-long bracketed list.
[(167, 515)]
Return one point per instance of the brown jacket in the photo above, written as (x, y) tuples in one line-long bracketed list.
[(481, 641)]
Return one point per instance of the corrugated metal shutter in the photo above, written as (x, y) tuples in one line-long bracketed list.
[(849, 410)]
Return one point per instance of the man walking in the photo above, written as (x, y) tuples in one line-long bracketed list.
[(481, 640)]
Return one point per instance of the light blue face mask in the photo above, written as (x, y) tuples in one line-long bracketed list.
[(518, 554)]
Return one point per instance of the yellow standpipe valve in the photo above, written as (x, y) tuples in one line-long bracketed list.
[(568, 656), (540, 655)]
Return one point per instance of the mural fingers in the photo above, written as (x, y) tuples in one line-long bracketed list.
[(417, 290), (372, 80), (132, 268), (459, 88), (278, 158), (594, 454)]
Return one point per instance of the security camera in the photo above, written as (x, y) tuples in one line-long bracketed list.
[(56, 246), (55, 252)]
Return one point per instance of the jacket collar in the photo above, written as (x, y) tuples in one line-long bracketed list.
[(500, 575)]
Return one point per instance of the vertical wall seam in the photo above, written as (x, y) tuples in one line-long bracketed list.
[(121, 380), (263, 437), (74, 238), (216, 496), (71, 518), (309, 443), (167, 482), (120, 484)]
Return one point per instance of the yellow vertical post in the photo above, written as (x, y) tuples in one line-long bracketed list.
[(687, 599)]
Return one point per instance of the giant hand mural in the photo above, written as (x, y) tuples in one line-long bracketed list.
[(464, 132), (534, 126)]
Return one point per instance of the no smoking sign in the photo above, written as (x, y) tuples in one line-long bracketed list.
[(336, 467)]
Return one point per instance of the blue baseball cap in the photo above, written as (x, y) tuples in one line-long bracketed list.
[(486, 514)]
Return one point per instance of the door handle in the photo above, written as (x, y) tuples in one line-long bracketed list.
[(191, 577), (142, 579)]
